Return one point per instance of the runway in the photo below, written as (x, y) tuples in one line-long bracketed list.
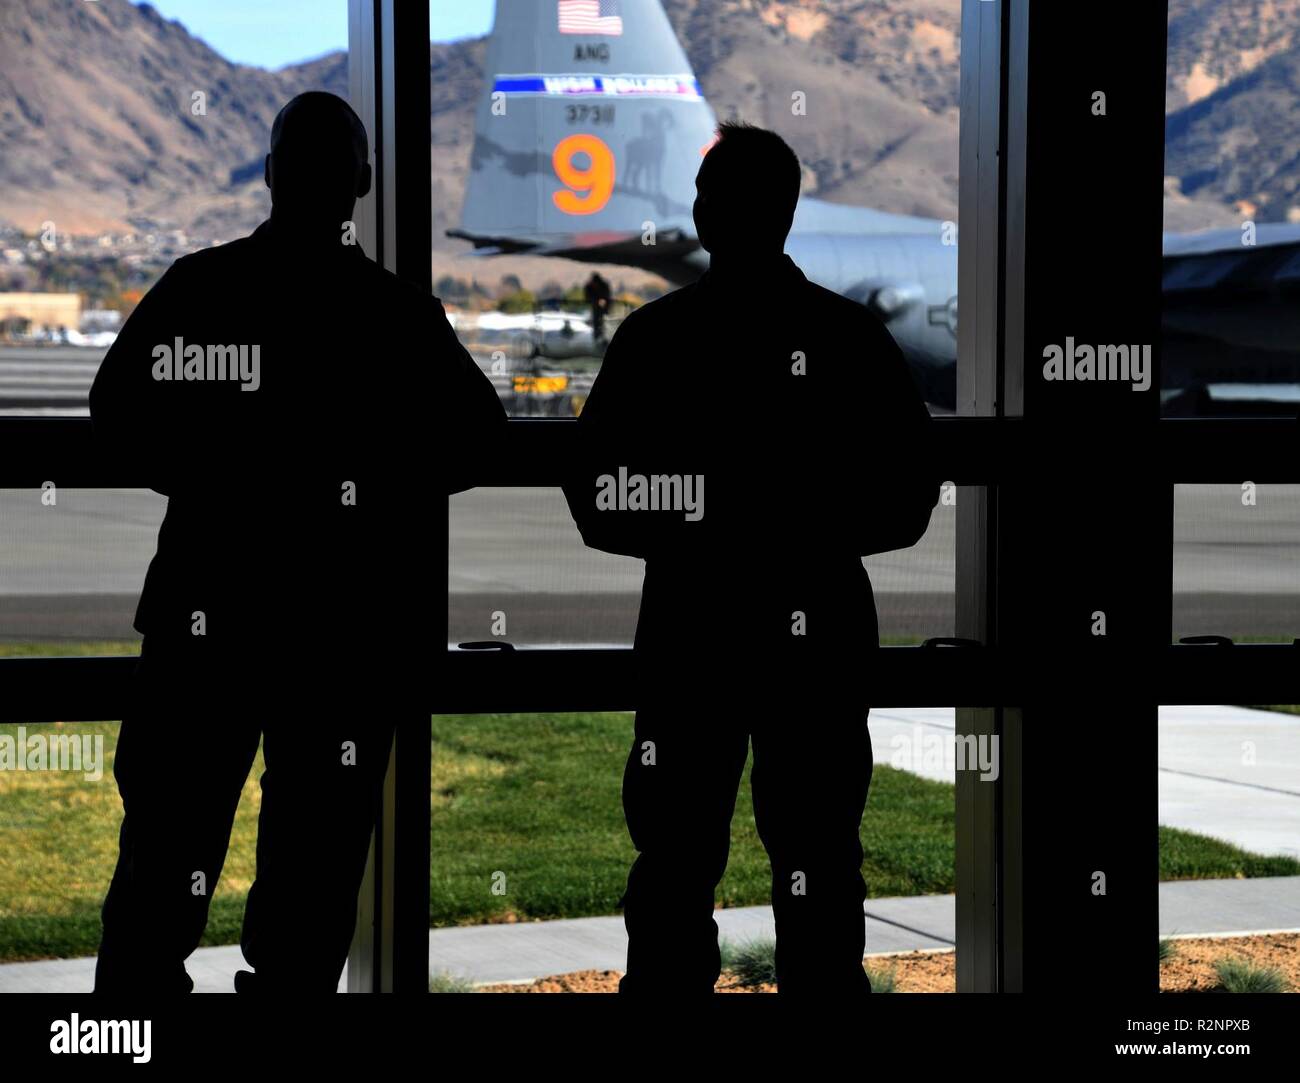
[(73, 571), (47, 381)]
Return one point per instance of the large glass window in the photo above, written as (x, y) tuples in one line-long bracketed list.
[(1232, 212), (577, 182), (133, 156), (568, 855), (519, 571), (1229, 848), (74, 563), (1237, 561)]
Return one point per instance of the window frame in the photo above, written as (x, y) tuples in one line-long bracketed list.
[(993, 454)]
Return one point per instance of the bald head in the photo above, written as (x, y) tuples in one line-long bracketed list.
[(318, 166)]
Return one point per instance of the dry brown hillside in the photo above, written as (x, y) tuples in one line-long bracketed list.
[(97, 130)]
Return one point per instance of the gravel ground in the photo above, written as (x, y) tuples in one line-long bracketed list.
[(1189, 970)]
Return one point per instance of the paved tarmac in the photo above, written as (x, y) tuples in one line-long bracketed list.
[(73, 571)]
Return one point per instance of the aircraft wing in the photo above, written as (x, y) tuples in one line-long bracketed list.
[(598, 247), (1209, 242), (1214, 259)]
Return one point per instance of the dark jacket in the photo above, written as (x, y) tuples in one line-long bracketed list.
[(798, 407), (362, 381)]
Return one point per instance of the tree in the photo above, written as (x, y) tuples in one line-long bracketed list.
[(520, 301)]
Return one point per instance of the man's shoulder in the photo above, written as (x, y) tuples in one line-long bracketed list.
[(215, 260), (663, 310), (842, 319), (248, 252), (844, 311), (397, 294)]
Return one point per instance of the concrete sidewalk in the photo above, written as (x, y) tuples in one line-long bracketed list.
[(501, 953), (1232, 773)]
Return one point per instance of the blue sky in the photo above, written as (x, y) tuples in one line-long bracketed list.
[(281, 32)]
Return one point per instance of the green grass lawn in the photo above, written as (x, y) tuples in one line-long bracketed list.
[(58, 847), (535, 797), (80, 648)]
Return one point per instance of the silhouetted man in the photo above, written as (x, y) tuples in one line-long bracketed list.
[(757, 618), (598, 295), (298, 405)]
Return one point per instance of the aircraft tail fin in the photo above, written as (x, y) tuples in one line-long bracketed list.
[(591, 124)]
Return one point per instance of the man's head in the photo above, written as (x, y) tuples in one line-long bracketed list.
[(319, 162), (746, 191)]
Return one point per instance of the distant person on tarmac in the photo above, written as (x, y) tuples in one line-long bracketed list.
[(598, 296), (757, 619), (298, 405)]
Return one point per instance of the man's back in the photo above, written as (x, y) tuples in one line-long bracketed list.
[(797, 407), (296, 409)]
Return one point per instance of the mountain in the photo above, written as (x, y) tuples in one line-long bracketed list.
[(96, 123), (1213, 43), (1232, 136), (97, 130), (880, 79)]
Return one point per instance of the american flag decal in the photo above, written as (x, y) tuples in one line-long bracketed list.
[(590, 17)]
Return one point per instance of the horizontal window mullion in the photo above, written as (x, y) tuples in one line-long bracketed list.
[(967, 450), (524, 681)]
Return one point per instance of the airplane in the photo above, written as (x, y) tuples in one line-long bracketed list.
[(556, 335), (586, 146), (553, 334)]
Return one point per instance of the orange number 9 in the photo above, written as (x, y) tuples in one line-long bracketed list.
[(597, 180)]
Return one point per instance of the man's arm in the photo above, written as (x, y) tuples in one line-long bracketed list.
[(612, 410), (472, 413), (129, 423), (894, 510)]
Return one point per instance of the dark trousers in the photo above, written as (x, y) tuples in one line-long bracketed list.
[(183, 756), (812, 768)]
